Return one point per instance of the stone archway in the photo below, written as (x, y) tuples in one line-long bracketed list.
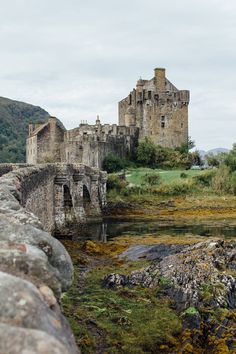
[(86, 200), (68, 204)]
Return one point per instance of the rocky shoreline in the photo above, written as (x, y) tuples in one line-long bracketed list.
[(199, 279)]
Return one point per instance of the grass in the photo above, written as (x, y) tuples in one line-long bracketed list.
[(136, 176)]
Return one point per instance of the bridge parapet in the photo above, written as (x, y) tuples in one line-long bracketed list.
[(60, 195), (34, 267)]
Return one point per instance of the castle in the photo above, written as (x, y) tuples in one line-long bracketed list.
[(155, 109)]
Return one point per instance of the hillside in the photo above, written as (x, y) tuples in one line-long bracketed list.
[(14, 119)]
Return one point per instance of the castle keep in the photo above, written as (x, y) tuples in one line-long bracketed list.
[(155, 109), (158, 109)]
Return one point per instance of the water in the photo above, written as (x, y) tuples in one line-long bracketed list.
[(108, 229)]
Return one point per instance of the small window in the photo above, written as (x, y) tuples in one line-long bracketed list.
[(163, 122), (182, 125), (149, 95), (130, 99)]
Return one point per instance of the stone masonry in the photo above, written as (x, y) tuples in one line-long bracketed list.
[(35, 269), (158, 109), (155, 109), (59, 194)]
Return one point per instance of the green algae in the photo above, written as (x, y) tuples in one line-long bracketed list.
[(126, 320)]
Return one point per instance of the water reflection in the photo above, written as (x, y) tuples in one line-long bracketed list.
[(108, 229)]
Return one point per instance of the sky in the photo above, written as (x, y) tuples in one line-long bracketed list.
[(77, 59)]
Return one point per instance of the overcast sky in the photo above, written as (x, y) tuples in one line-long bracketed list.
[(77, 59)]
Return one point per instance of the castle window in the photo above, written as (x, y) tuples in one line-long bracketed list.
[(182, 125), (150, 117), (130, 99), (163, 122), (149, 95)]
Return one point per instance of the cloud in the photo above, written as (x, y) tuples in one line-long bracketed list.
[(78, 59)]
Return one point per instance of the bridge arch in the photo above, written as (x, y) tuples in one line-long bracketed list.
[(86, 199)]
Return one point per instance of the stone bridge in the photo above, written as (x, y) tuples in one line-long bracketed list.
[(35, 268), (60, 195)]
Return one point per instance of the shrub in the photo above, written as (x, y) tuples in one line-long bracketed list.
[(183, 175), (112, 163), (152, 179), (114, 182), (204, 179), (179, 188), (221, 181), (233, 183)]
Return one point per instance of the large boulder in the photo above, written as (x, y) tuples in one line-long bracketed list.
[(14, 340), (23, 305), (13, 231)]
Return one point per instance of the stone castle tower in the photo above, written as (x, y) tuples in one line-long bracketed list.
[(155, 109), (158, 109)]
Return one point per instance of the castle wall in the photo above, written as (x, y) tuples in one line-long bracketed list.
[(32, 149), (91, 144), (155, 109), (158, 109), (44, 142)]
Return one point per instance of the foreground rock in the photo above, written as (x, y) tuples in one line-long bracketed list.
[(200, 281), (34, 270), (203, 274)]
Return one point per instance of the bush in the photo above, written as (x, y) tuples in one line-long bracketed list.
[(179, 188), (113, 163), (183, 175), (152, 179), (233, 183), (221, 181), (204, 179), (114, 182)]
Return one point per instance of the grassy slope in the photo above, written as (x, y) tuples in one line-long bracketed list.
[(136, 176), (14, 119)]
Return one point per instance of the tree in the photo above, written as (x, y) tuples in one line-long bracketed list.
[(113, 163), (230, 159), (185, 147), (146, 152)]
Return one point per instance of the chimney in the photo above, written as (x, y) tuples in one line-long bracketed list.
[(98, 122), (160, 75), (31, 129)]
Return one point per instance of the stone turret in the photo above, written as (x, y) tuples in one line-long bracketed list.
[(160, 79)]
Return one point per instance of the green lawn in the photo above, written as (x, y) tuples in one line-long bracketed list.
[(136, 176)]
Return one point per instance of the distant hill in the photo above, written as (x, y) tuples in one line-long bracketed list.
[(14, 119), (215, 151)]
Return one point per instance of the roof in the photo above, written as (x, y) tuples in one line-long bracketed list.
[(41, 127)]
